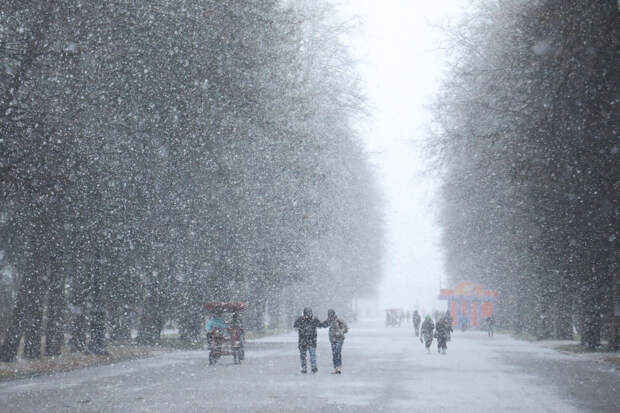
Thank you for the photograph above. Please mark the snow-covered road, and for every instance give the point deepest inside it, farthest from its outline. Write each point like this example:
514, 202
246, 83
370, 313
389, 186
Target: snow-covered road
385, 369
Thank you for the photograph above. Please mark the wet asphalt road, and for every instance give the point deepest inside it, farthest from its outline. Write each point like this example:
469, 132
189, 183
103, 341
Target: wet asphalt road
385, 370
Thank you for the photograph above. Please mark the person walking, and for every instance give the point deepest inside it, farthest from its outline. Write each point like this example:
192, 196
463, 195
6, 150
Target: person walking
491, 324
416, 322
426, 332
450, 322
337, 329
306, 326
442, 333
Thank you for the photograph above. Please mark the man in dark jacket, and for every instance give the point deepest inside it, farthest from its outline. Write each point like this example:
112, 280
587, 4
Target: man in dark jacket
337, 329
306, 326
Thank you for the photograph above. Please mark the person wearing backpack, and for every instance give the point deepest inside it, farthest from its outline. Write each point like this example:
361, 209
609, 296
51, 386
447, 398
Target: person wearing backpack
442, 333
337, 329
426, 332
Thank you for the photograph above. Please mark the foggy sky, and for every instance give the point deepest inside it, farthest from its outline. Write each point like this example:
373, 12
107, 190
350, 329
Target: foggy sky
398, 48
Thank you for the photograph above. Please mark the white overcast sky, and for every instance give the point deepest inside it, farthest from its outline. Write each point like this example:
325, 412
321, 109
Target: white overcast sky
400, 58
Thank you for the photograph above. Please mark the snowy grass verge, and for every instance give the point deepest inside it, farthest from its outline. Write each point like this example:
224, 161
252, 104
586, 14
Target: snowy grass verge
70, 361
601, 353
267, 332
579, 348
170, 341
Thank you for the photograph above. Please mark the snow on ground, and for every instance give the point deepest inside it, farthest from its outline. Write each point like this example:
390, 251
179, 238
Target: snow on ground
385, 369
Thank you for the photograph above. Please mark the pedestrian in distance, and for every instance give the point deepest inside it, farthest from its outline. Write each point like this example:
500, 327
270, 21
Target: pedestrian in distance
306, 326
442, 333
491, 325
416, 322
463, 322
450, 322
337, 329
426, 332
237, 336
408, 316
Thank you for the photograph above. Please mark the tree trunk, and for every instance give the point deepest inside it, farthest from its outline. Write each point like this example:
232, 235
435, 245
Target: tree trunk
190, 327
54, 330
119, 324
8, 351
151, 322
274, 312
32, 329
79, 326
256, 314
97, 316
97, 333
33, 316
79, 320
563, 325
591, 327
150, 326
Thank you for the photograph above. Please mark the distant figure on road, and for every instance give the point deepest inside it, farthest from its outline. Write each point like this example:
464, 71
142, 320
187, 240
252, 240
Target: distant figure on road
306, 326
450, 321
442, 333
426, 332
408, 316
463, 322
392, 318
491, 324
337, 329
416, 322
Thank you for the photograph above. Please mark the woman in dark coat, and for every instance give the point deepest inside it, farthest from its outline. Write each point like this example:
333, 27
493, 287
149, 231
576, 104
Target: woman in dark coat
426, 332
442, 333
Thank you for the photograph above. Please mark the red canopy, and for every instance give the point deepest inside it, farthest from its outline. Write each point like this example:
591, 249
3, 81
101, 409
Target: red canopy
229, 307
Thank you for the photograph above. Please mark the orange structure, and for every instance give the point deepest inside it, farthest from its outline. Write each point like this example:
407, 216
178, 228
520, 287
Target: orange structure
469, 302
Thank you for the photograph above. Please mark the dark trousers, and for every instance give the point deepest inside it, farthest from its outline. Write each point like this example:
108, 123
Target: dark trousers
441, 343
302, 356
337, 353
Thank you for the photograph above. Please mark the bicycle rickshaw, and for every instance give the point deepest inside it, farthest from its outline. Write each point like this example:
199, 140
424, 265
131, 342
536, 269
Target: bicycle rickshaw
226, 335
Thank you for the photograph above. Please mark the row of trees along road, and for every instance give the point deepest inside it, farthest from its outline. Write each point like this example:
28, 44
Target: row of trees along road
528, 141
156, 155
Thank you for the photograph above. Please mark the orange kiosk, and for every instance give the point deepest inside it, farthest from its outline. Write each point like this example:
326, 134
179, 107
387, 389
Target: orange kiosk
469, 302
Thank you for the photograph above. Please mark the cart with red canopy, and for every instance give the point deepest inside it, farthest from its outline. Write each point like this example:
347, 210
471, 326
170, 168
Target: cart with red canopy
225, 334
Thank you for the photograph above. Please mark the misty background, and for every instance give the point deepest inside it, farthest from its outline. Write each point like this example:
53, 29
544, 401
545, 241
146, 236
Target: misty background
156, 156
